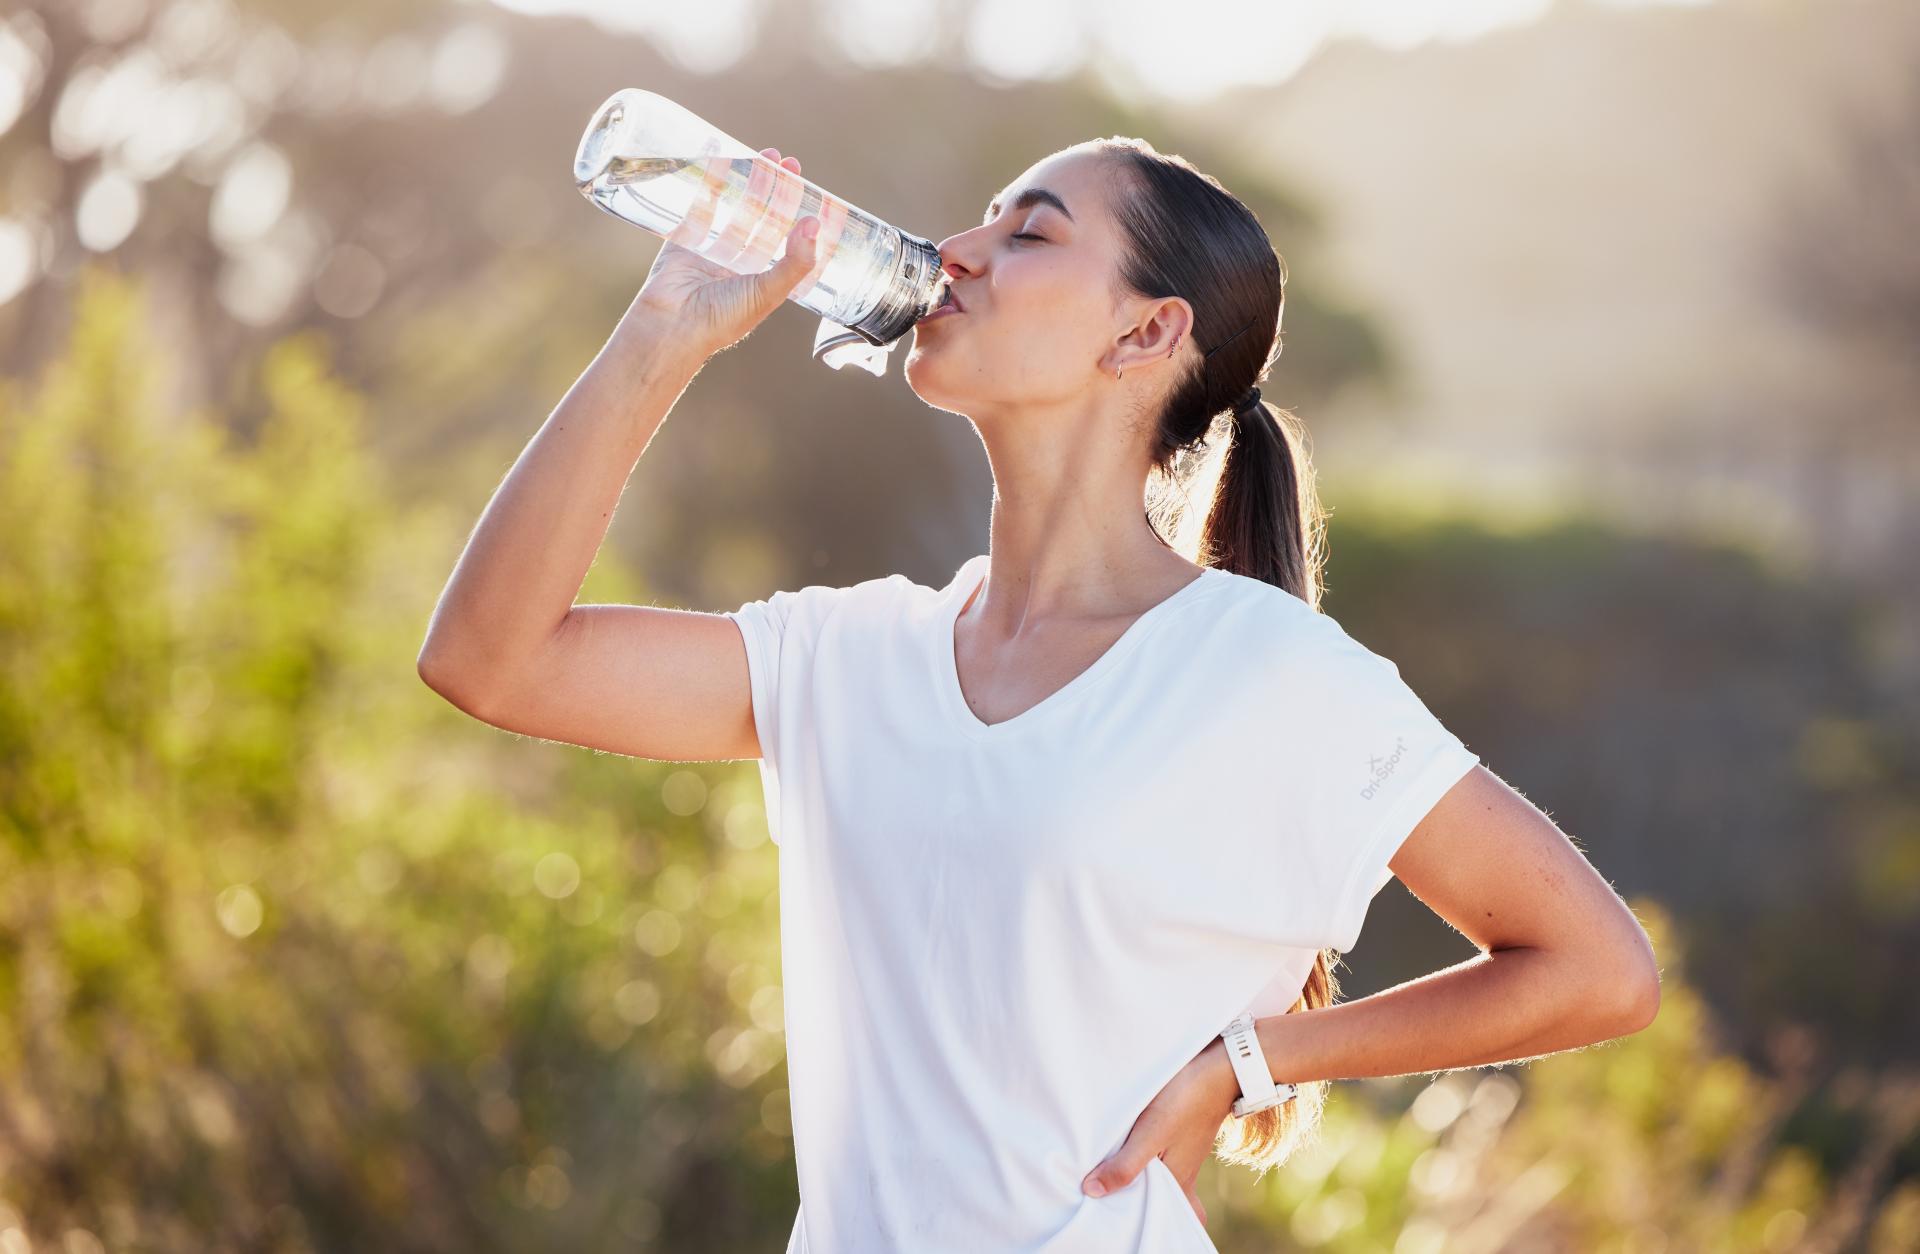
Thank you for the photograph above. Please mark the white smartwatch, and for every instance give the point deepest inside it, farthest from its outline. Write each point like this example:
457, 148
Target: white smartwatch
1257, 1089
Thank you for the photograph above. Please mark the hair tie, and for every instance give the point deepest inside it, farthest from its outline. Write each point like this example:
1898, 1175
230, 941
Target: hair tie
1248, 401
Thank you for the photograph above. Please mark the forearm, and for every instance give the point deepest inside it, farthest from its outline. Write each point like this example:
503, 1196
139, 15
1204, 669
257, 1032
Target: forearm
516, 580
1501, 1006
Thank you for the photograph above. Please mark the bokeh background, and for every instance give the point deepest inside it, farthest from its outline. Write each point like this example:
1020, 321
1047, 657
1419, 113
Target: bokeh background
1603, 318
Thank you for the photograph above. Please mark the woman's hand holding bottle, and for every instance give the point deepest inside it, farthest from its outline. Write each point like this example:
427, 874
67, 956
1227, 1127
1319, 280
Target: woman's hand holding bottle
702, 305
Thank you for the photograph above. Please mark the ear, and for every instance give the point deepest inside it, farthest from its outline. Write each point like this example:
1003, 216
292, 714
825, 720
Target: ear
1161, 328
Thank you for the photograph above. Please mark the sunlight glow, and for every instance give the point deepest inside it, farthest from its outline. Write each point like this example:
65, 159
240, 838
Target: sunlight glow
24, 49
107, 211
1052, 43
703, 38
1208, 45
19, 258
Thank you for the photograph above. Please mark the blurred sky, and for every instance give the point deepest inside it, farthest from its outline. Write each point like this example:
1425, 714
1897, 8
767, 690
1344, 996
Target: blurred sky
1570, 220
1187, 53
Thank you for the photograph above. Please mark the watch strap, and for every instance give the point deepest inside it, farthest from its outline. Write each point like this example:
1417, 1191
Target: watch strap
1257, 1089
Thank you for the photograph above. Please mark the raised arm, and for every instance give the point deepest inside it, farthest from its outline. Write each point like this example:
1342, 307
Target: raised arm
506, 643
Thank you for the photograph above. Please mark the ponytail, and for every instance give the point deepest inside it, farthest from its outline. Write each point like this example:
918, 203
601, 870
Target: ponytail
1185, 235
1266, 521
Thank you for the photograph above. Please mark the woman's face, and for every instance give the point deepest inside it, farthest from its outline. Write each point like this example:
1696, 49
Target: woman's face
1037, 284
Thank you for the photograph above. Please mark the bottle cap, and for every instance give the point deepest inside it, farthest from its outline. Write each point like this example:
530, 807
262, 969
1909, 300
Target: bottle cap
839, 346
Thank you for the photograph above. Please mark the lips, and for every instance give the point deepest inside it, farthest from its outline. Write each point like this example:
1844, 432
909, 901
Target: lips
949, 299
947, 307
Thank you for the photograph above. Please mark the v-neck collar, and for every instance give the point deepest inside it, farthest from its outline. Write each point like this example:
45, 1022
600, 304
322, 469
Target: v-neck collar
967, 581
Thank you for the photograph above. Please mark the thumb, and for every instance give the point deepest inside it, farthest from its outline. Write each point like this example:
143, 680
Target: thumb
772, 285
1119, 1169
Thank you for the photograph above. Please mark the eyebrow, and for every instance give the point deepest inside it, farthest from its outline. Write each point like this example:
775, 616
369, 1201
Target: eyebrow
1027, 200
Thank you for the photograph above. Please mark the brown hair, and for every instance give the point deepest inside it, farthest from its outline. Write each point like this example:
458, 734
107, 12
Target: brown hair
1185, 235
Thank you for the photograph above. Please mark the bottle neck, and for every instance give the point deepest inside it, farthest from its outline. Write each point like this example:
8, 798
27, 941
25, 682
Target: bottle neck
915, 286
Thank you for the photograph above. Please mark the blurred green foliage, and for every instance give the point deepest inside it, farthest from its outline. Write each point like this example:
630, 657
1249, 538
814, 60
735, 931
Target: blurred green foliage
294, 956
1659, 1141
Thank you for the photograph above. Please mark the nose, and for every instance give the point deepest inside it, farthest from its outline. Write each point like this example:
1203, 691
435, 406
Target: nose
953, 254
953, 266
950, 263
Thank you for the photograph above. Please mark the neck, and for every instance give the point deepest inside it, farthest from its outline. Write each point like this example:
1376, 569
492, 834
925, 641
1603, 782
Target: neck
1069, 534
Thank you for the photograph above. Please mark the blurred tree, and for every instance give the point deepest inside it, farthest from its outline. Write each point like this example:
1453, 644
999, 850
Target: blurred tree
1714, 726
1841, 261
288, 960
295, 957
1845, 260
146, 131
396, 176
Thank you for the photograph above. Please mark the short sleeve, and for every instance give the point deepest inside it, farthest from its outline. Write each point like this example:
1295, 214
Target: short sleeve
1373, 759
781, 632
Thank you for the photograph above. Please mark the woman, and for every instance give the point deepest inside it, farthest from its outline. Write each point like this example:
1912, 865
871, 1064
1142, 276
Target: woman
1044, 831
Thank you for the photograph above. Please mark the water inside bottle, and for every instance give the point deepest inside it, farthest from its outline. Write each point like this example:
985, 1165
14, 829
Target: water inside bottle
755, 203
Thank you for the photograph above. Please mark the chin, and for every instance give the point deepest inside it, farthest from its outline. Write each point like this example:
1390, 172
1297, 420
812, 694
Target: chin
919, 364
922, 374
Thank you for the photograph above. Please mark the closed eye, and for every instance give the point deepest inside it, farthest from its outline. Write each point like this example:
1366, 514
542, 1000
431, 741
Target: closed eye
1024, 235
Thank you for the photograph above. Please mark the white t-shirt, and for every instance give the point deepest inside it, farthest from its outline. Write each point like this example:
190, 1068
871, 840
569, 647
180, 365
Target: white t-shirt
1000, 941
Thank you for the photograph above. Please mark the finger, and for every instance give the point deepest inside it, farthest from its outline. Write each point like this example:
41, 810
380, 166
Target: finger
1119, 1169
709, 173
732, 248
1184, 1164
1188, 1178
774, 284
782, 215
833, 221
769, 216
691, 231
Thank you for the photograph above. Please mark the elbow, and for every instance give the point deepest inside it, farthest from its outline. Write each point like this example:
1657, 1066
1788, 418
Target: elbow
429, 668
435, 674
1633, 990
1641, 1004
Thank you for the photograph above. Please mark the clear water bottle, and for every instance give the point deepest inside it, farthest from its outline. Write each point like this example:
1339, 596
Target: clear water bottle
650, 162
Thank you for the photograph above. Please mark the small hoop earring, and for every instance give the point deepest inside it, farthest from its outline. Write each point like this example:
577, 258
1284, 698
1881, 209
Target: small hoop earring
1116, 372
